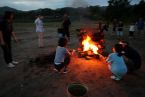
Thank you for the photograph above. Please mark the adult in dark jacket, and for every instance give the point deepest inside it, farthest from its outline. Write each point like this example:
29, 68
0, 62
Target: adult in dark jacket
6, 31
66, 25
132, 57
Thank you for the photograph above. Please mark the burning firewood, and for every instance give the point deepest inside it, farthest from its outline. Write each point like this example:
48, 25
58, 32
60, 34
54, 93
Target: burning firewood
91, 43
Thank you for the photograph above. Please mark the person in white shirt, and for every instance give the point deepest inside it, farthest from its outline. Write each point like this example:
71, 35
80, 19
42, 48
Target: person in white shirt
40, 30
131, 30
116, 63
62, 56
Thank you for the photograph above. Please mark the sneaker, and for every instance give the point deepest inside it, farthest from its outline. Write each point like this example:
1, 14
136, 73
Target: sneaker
11, 65
115, 78
56, 70
65, 71
112, 77
15, 62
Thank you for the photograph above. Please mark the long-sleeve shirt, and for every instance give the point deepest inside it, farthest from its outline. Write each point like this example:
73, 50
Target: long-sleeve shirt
117, 64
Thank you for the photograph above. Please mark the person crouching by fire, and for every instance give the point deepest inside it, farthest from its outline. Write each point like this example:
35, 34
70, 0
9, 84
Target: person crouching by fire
116, 63
131, 56
62, 56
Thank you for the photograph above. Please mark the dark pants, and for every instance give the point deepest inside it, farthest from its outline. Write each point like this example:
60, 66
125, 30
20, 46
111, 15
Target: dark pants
139, 30
63, 64
114, 29
131, 65
67, 33
131, 33
7, 52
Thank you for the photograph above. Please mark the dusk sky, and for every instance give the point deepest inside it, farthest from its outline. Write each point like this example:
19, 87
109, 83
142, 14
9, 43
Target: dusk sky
26, 5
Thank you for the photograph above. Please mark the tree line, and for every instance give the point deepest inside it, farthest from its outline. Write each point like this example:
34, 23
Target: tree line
119, 9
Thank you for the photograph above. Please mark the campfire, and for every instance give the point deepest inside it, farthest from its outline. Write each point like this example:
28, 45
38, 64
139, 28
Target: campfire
91, 43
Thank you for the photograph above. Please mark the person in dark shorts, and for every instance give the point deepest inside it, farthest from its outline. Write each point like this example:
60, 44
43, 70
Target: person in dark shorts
62, 56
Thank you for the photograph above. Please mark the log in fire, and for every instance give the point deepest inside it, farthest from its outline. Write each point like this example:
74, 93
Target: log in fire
91, 42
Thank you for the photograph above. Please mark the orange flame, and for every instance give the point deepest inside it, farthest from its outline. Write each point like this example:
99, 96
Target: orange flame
89, 45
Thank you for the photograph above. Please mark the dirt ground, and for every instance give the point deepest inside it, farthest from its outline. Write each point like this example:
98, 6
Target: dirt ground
33, 80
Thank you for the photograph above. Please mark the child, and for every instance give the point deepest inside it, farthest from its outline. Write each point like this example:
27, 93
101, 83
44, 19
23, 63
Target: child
116, 63
62, 56
115, 23
120, 29
131, 31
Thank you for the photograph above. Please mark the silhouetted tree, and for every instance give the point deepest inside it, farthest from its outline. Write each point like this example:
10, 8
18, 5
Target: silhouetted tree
118, 9
139, 10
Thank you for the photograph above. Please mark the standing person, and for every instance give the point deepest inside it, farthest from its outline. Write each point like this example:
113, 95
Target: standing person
132, 57
106, 27
131, 30
40, 30
100, 26
115, 23
116, 63
6, 31
120, 29
140, 25
62, 56
66, 25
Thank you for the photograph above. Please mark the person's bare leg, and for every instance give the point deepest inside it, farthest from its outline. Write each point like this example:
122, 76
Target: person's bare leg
40, 40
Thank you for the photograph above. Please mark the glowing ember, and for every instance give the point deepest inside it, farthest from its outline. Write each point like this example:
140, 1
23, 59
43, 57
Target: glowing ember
89, 45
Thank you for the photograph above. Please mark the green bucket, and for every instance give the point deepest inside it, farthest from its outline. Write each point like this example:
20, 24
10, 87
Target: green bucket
77, 89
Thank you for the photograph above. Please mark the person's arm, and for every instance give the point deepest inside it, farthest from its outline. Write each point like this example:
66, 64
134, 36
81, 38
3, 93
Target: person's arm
1, 38
68, 52
109, 59
14, 37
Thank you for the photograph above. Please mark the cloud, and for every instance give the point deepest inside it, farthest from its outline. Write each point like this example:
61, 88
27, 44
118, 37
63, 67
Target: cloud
33, 4
28, 3
40, 3
36, 4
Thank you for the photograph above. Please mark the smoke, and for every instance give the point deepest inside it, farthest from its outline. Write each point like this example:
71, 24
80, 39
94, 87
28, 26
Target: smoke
82, 9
